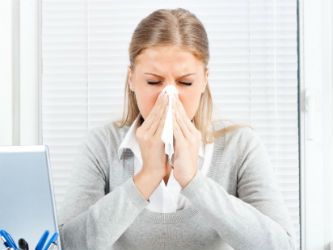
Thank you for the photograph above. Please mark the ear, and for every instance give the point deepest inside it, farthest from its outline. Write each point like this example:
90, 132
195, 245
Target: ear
129, 79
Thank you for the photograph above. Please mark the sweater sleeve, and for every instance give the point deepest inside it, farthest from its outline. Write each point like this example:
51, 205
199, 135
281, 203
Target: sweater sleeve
257, 218
91, 217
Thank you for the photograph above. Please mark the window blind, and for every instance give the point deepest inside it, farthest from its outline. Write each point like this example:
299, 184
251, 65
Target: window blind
253, 74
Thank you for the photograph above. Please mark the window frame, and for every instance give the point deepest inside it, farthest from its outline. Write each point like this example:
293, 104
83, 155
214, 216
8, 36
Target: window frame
316, 91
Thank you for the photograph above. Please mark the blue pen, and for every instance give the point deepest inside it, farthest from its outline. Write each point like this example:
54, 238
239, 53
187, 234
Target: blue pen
8, 240
42, 240
52, 240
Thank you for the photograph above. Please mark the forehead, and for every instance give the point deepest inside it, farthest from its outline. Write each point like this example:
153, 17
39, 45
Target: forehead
160, 59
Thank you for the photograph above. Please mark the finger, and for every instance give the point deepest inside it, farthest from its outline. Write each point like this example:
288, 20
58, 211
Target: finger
161, 117
182, 125
184, 122
161, 124
155, 113
180, 107
176, 130
184, 118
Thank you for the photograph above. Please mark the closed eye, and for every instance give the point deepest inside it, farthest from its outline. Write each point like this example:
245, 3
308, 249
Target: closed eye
186, 83
153, 82
181, 82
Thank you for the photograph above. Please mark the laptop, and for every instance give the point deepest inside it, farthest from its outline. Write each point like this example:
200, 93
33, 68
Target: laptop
27, 205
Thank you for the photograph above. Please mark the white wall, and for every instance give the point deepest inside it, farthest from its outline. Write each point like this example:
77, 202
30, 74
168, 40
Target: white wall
30, 72
6, 72
19, 72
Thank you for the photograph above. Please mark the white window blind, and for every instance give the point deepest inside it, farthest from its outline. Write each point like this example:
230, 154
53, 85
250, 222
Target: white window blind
253, 74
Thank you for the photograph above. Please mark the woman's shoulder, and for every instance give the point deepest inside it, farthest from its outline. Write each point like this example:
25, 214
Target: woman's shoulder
239, 140
108, 136
229, 127
234, 133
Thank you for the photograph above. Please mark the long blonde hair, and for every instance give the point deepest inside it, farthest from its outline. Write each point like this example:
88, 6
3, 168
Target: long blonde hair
167, 27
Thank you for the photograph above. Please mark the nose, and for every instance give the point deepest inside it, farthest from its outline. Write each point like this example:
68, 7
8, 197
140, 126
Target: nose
170, 89
170, 83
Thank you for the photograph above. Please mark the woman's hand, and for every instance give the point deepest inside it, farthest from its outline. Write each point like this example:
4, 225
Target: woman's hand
152, 148
187, 144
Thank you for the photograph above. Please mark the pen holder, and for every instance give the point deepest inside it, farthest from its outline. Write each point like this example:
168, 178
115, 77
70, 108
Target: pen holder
8, 242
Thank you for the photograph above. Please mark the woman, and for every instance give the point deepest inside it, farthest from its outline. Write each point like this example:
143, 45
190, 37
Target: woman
219, 192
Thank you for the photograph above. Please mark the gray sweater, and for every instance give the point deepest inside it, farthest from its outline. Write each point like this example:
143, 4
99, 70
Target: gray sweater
236, 206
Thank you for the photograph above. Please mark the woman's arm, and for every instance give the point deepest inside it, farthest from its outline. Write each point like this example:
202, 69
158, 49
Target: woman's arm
257, 218
90, 218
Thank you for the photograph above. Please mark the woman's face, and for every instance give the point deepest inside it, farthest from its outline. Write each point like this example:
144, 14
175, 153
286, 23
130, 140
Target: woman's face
157, 67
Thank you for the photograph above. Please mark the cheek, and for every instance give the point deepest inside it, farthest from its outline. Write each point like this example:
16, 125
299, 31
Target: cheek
190, 102
146, 102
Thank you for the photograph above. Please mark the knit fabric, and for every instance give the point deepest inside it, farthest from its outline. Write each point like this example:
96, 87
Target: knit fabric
237, 205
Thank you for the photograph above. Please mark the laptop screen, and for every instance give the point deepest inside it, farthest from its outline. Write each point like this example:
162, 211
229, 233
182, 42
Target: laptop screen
26, 197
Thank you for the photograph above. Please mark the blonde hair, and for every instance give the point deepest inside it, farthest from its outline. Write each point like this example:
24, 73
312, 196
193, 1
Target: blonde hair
168, 27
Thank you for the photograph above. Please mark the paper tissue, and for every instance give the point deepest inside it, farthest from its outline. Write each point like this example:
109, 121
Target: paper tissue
167, 133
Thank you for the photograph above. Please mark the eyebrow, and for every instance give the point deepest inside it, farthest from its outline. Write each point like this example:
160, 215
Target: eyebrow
147, 73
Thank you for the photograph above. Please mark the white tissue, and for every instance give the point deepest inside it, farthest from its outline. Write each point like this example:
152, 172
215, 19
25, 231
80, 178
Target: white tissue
167, 133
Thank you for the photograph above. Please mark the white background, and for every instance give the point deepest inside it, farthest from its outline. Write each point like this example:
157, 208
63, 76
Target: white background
316, 79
